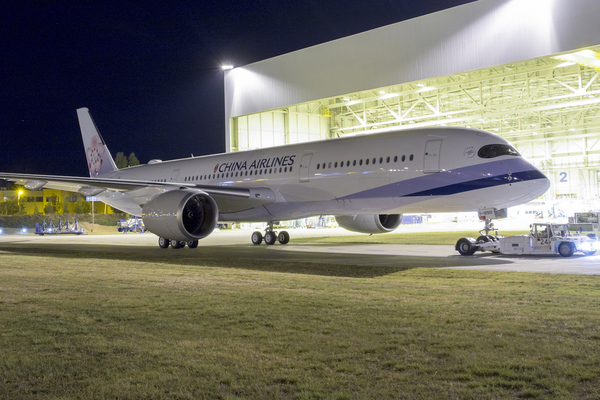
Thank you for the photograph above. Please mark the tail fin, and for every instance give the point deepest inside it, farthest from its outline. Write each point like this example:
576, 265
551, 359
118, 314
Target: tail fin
98, 157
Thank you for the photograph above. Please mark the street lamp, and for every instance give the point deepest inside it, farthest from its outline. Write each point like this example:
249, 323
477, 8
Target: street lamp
19, 197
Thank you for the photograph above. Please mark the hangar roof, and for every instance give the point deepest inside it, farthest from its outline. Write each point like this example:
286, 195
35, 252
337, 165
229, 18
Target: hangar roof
473, 36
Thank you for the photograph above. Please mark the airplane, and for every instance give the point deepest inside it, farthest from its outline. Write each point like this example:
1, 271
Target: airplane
366, 181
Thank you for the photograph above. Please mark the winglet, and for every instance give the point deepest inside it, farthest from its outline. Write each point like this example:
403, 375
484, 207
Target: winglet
98, 157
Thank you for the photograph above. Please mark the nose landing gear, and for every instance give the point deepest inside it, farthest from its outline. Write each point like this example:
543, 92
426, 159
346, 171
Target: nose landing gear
270, 237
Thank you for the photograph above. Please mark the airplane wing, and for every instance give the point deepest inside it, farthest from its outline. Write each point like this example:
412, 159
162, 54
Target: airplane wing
136, 193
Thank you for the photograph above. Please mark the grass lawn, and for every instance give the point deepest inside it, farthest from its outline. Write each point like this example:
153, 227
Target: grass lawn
441, 238
84, 327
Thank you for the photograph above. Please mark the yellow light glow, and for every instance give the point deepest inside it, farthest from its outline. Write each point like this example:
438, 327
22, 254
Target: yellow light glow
426, 89
587, 58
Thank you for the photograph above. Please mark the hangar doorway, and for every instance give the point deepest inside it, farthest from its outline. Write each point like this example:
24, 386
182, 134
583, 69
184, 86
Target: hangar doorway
548, 107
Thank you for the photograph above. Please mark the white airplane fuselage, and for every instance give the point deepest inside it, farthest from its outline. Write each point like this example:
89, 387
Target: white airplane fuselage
412, 171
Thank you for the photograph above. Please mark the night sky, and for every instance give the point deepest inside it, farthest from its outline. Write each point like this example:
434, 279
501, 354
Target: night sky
148, 71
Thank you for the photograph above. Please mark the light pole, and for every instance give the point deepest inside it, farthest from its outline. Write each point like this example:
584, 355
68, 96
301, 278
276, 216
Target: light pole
19, 193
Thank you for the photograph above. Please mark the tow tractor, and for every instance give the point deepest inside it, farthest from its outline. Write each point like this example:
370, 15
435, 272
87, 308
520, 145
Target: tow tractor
544, 238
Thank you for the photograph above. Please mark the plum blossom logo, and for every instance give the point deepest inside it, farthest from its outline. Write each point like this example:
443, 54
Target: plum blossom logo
94, 155
216, 168
469, 152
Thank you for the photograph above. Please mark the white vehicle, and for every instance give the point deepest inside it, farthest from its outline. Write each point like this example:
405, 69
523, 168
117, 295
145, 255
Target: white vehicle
542, 239
134, 224
366, 181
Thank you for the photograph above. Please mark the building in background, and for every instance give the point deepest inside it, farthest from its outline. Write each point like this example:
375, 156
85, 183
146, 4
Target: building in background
50, 201
528, 70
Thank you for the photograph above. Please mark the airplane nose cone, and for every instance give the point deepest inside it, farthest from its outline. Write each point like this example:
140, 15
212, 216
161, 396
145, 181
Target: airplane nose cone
539, 186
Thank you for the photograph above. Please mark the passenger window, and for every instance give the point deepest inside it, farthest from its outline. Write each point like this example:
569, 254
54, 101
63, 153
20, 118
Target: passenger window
354, 163
335, 165
403, 158
367, 161
411, 157
395, 158
360, 163
387, 160
380, 160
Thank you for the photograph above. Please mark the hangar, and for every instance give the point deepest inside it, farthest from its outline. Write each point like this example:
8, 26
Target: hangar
528, 70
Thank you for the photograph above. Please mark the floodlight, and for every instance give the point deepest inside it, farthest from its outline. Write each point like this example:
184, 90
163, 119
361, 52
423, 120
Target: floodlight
226, 67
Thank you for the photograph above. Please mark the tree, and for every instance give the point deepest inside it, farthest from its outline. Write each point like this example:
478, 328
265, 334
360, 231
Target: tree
66, 206
10, 207
133, 160
49, 208
56, 205
82, 206
121, 161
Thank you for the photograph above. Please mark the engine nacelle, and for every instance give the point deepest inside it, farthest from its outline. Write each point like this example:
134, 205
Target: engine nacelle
181, 215
373, 223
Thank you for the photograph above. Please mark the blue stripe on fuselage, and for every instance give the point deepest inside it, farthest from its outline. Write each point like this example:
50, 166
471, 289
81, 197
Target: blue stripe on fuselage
480, 184
458, 180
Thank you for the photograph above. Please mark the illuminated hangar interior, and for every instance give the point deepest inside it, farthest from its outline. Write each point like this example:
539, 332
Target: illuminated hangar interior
528, 70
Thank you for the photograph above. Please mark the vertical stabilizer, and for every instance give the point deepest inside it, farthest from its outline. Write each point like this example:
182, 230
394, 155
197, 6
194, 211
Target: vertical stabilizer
98, 157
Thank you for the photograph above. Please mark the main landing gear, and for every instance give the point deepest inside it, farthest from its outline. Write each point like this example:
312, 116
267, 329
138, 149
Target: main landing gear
270, 236
176, 244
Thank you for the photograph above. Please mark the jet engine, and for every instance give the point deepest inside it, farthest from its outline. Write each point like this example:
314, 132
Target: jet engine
373, 223
181, 215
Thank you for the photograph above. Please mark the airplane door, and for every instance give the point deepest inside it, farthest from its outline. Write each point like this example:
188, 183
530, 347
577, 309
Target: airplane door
305, 168
431, 163
174, 176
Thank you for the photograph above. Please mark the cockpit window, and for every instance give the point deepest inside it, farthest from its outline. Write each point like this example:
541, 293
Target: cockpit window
497, 150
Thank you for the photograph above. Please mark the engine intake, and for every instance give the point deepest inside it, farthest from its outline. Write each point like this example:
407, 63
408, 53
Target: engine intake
181, 215
373, 223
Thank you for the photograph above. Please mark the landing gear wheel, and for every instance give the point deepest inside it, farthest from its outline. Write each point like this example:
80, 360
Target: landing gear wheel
465, 247
177, 244
163, 243
565, 249
283, 237
192, 244
257, 238
270, 238
483, 239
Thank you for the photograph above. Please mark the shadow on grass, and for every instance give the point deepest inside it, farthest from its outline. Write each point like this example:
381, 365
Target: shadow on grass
251, 257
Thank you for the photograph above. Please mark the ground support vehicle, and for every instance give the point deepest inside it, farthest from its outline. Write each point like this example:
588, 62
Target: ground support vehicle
134, 224
585, 222
542, 239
